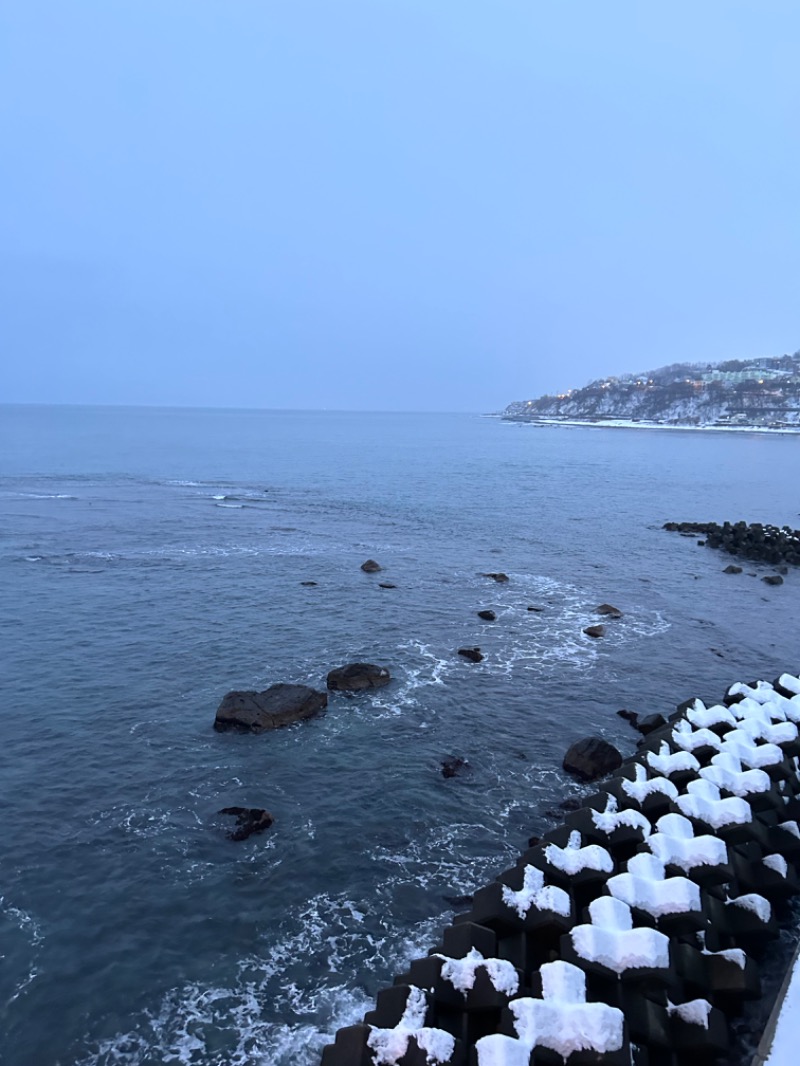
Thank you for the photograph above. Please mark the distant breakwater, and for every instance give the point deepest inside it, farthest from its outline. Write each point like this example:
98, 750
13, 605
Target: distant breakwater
633, 932
761, 543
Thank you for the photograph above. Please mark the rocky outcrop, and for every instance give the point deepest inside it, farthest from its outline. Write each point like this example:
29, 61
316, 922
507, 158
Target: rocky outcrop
371, 567
279, 705
356, 677
592, 757
595, 631
249, 820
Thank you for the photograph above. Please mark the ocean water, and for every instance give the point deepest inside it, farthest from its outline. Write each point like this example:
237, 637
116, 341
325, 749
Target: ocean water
152, 559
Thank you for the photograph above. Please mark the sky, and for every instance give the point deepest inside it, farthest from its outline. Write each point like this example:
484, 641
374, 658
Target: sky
439, 205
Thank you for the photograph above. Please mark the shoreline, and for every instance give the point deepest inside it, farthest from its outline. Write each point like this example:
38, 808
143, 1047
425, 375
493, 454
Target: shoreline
625, 423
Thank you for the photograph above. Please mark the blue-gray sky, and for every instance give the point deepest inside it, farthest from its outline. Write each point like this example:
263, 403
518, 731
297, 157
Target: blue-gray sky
391, 204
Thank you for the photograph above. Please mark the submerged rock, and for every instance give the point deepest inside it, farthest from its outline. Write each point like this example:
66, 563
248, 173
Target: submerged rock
475, 655
371, 567
386, 585
537, 609
629, 716
608, 610
487, 616
453, 765
308, 583
732, 569
595, 631
279, 705
496, 576
592, 757
249, 820
356, 677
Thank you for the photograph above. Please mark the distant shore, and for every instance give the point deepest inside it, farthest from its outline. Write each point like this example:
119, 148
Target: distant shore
625, 423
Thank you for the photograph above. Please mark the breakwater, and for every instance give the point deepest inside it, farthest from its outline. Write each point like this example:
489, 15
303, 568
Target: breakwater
631, 933
759, 542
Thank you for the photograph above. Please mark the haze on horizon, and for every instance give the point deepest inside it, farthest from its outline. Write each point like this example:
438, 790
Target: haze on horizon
390, 204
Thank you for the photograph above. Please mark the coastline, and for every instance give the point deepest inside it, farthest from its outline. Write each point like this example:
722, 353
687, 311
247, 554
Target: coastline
624, 423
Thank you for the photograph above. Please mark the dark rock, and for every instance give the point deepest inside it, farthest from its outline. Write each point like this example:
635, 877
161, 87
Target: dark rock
772, 579
475, 655
783, 570
650, 722
371, 567
732, 569
249, 820
592, 757
496, 577
355, 677
386, 585
701, 543
608, 610
629, 716
537, 609
453, 765
533, 841
595, 631
570, 804
717, 652
279, 705
458, 901
309, 583
487, 616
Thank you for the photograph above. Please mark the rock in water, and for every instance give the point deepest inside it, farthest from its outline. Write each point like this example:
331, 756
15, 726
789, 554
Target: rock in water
249, 820
595, 631
732, 569
650, 722
475, 655
608, 610
358, 676
452, 765
773, 579
496, 576
487, 616
386, 585
371, 567
592, 757
279, 705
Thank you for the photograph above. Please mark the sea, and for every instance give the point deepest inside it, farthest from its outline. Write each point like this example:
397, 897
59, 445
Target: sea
153, 559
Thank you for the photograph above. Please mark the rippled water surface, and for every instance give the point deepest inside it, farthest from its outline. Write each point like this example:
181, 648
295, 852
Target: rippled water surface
150, 560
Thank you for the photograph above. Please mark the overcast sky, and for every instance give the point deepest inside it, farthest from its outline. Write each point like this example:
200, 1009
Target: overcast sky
391, 204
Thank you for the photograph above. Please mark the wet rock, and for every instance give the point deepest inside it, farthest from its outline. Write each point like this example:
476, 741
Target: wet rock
386, 585
595, 631
453, 765
650, 722
355, 677
533, 841
537, 609
608, 610
592, 757
772, 579
308, 583
279, 705
487, 616
475, 655
249, 820
571, 804
629, 716
732, 569
496, 576
371, 567
458, 901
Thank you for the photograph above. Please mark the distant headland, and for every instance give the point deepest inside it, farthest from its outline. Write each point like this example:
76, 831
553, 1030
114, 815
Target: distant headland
760, 394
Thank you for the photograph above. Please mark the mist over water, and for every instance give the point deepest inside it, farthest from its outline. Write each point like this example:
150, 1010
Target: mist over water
152, 559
